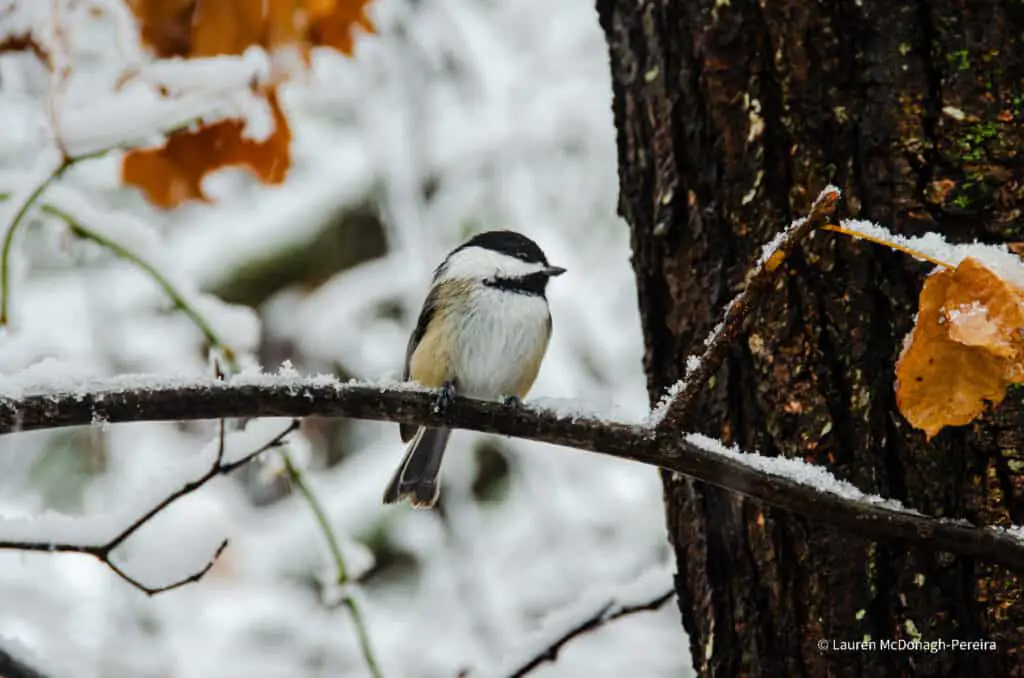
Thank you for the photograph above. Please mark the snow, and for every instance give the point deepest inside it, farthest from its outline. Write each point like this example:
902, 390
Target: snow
502, 110
658, 412
996, 258
773, 245
797, 470
608, 602
1015, 531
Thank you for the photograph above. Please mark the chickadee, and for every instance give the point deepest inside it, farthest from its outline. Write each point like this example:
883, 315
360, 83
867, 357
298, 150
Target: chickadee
482, 333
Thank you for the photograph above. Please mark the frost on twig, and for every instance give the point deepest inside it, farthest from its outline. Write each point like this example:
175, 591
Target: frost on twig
67, 536
672, 412
153, 398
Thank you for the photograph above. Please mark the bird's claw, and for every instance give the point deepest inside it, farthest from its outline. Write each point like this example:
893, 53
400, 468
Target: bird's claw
511, 401
445, 398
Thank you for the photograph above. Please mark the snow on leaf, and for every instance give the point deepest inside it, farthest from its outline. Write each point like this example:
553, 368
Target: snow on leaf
174, 173
965, 349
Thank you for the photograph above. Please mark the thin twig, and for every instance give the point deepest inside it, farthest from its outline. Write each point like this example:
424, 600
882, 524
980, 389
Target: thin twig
179, 300
103, 552
608, 612
206, 398
59, 69
759, 284
341, 579
19, 216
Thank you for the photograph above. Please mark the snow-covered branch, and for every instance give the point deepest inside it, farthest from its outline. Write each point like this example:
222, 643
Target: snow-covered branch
675, 408
785, 483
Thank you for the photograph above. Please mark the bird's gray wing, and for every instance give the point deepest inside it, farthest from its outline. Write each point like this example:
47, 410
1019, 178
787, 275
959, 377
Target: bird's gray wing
426, 315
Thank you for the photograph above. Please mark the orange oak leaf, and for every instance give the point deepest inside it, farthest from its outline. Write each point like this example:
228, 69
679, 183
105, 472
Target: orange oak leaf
196, 28
205, 28
966, 347
331, 23
174, 173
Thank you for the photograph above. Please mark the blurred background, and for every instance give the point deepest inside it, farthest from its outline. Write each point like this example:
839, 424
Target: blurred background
457, 116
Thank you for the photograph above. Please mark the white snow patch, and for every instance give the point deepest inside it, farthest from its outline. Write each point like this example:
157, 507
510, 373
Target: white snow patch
996, 258
603, 599
796, 470
658, 412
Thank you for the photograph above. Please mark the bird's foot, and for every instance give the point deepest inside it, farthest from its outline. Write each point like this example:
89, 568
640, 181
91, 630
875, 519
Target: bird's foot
445, 398
511, 401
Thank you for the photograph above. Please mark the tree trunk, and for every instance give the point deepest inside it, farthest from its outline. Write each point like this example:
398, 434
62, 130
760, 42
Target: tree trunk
731, 117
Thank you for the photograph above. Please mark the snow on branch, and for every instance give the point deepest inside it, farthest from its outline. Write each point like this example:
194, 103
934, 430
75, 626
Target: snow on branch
674, 409
785, 483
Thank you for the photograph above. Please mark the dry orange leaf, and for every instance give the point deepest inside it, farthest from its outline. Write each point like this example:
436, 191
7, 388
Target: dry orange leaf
209, 27
174, 173
965, 349
165, 25
201, 28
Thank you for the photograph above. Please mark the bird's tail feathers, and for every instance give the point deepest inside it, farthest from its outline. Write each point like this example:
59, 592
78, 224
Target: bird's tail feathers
416, 477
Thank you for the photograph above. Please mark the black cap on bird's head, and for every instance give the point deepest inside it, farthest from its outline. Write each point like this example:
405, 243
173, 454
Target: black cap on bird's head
500, 256
508, 242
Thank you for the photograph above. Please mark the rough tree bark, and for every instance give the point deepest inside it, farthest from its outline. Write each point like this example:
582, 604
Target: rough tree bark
731, 116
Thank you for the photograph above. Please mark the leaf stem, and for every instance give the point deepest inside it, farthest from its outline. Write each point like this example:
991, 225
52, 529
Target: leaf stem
887, 243
19, 217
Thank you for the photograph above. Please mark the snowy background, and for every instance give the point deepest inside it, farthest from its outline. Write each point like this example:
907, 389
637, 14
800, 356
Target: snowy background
459, 115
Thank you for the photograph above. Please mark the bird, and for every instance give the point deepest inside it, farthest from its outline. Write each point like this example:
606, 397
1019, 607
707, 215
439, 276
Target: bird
482, 333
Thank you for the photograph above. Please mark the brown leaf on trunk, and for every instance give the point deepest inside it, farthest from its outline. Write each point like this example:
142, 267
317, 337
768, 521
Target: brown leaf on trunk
174, 173
965, 349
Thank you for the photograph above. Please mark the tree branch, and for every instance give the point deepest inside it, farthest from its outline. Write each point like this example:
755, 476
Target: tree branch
608, 612
12, 667
103, 552
157, 399
760, 281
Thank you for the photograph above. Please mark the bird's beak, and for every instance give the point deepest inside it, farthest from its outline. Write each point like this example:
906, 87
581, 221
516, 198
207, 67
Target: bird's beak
552, 271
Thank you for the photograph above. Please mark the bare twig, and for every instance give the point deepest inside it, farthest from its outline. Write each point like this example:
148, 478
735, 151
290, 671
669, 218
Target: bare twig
208, 398
342, 579
608, 612
103, 552
759, 283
